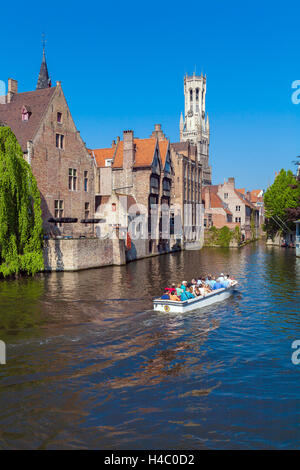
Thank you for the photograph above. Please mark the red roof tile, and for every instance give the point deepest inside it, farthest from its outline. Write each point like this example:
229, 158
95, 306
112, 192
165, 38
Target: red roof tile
144, 153
163, 147
102, 154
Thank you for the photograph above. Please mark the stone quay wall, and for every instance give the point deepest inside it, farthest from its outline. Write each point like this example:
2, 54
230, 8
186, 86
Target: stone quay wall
76, 254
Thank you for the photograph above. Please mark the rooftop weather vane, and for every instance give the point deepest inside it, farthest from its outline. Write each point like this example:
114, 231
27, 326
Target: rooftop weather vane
43, 40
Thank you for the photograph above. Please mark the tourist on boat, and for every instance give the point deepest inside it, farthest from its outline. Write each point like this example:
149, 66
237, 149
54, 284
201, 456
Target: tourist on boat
183, 285
171, 289
189, 293
183, 295
179, 291
174, 296
165, 297
217, 285
221, 278
211, 282
197, 292
186, 294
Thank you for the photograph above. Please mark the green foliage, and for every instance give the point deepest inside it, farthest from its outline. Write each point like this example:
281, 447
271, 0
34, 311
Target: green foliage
278, 198
20, 211
237, 235
221, 236
225, 236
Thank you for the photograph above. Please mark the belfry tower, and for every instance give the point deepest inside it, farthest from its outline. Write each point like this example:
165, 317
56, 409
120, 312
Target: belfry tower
194, 128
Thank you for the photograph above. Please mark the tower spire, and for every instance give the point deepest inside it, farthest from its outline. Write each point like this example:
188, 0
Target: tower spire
43, 80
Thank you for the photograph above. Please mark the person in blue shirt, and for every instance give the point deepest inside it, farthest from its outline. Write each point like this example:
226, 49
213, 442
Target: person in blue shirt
189, 293
165, 297
217, 285
211, 282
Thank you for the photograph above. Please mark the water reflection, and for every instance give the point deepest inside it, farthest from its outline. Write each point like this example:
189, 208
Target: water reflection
91, 365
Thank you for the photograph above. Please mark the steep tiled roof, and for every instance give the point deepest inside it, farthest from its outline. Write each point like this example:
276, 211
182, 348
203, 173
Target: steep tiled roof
215, 200
242, 191
244, 200
213, 188
11, 113
102, 154
163, 147
144, 153
256, 195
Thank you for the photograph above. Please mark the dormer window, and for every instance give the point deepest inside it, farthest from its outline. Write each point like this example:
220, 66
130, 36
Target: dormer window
26, 113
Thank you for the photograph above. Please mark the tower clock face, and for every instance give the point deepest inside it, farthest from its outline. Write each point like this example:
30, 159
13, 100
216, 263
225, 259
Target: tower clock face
190, 113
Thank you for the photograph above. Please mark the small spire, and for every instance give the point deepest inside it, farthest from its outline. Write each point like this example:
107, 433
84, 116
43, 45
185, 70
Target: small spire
181, 121
43, 80
207, 122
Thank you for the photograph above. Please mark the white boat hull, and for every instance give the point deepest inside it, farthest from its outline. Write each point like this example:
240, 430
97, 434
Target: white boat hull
170, 306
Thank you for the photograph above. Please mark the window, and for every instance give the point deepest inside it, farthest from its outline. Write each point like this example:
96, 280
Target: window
72, 179
108, 161
191, 95
166, 185
238, 208
238, 220
60, 141
167, 166
86, 210
85, 181
58, 210
59, 118
154, 182
225, 195
25, 113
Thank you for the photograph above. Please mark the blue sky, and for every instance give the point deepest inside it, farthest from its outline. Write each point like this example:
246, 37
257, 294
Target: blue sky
122, 64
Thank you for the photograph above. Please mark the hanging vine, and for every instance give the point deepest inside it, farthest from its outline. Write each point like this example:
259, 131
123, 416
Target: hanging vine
21, 233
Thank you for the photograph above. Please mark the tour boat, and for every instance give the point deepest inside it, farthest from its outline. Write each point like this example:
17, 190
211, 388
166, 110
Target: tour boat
164, 305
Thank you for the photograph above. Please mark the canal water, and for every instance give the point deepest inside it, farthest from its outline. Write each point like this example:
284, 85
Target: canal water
90, 365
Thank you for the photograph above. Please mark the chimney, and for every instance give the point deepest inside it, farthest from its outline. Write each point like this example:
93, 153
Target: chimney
128, 151
231, 181
113, 143
207, 198
12, 89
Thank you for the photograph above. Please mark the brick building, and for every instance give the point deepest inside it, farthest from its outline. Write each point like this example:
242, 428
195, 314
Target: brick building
141, 169
217, 213
187, 192
51, 144
226, 199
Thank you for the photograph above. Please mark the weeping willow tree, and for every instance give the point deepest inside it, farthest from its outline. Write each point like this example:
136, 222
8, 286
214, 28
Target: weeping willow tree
21, 235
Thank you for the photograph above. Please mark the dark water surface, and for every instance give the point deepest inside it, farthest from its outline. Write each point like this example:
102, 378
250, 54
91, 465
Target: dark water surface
90, 365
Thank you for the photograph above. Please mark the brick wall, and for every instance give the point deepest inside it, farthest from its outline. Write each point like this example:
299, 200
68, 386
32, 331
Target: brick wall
51, 165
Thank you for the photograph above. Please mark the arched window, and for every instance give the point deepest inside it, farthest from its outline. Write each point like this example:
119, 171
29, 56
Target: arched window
197, 94
191, 95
